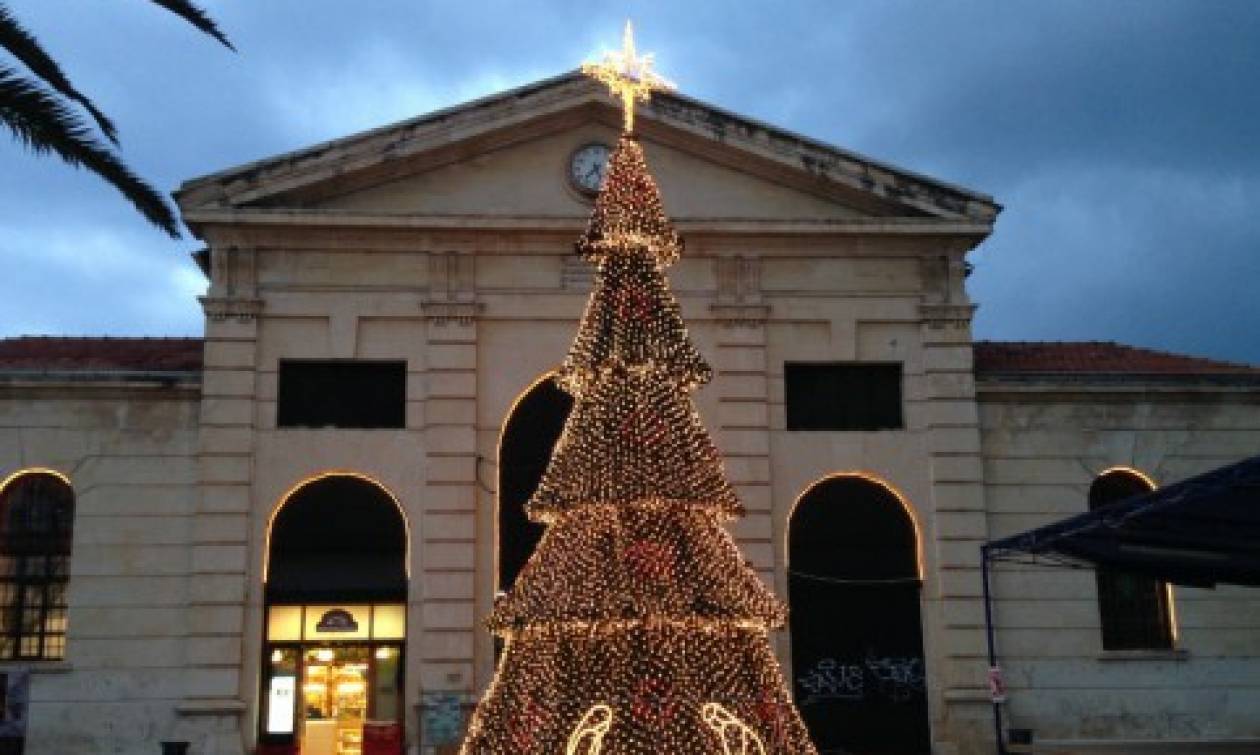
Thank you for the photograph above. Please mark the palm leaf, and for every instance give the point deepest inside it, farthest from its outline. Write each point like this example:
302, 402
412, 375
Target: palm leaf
45, 124
197, 17
22, 45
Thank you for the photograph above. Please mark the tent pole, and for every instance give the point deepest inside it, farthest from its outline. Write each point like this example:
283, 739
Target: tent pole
989, 637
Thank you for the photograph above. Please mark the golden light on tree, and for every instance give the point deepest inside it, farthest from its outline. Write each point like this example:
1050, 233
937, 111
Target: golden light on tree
636, 628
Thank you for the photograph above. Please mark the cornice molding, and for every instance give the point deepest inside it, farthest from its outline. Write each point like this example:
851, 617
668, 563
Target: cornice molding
451, 312
741, 315
220, 309
575, 224
944, 315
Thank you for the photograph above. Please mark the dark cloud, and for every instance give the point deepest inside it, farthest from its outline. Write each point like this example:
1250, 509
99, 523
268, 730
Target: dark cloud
1120, 136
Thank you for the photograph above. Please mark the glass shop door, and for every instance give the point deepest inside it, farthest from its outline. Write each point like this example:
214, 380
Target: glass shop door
342, 699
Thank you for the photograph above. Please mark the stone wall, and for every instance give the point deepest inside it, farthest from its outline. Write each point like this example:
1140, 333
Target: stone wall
1044, 444
128, 449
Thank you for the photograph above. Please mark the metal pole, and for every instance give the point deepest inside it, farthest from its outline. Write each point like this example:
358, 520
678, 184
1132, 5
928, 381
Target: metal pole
989, 637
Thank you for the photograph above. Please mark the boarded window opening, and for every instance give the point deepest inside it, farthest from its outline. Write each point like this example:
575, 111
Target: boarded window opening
343, 394
839, 396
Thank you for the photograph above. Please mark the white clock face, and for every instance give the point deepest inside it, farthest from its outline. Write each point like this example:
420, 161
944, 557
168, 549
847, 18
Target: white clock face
587, 166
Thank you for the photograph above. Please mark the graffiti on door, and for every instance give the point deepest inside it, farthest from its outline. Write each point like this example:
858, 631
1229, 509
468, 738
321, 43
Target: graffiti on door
899, 679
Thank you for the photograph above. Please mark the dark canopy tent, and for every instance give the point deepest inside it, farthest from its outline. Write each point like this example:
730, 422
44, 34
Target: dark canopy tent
1200, 532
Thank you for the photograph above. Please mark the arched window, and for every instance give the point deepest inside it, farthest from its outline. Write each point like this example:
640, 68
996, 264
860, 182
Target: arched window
36, 522
1135, 611
529, 433
337, 537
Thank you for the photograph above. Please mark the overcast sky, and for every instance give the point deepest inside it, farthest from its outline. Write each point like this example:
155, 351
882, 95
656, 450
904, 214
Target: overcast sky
1122, 136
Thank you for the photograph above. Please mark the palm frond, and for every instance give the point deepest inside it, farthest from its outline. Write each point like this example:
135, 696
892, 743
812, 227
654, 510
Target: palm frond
45, 124
21, 44
197, 17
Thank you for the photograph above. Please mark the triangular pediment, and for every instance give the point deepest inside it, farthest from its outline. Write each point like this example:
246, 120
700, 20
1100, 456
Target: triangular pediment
507, 155
530, 179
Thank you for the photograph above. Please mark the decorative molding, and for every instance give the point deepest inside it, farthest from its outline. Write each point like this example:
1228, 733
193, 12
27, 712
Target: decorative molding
451, 312
741, 315
940, 316
221, 308
36, 667
1164, 654
211, 706
738, 279
966, 695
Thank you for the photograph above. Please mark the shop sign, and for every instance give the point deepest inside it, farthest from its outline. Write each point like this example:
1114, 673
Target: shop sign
337, 620
280, 705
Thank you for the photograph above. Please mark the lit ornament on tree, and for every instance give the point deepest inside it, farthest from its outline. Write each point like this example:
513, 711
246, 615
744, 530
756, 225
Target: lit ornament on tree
636, 628
588, 735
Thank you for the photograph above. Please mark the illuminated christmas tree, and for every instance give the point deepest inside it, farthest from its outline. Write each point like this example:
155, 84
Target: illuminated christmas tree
636, 628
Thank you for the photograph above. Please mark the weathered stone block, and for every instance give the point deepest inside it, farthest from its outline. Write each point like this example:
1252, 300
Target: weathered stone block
452, 384
449, 615
446, 646
220, 469
441, 411
447, 556
460, 468
446, 526
214, 651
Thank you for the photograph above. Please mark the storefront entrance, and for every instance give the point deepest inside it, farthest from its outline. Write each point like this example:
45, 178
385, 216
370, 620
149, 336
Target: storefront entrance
334, 679
336, 622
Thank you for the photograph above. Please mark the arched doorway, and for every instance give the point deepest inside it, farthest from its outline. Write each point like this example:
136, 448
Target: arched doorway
529, 433
336, 591
857, 640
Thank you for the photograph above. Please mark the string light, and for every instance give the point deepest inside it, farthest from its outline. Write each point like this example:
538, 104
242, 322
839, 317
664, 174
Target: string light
636, 616
629, 218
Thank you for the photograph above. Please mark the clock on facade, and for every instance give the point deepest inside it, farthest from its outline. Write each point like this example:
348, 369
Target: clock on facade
586, 167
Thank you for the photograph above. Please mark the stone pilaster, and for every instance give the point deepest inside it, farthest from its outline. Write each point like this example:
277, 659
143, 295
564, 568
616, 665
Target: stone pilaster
952, 594
213, 706
449, 642
742, 385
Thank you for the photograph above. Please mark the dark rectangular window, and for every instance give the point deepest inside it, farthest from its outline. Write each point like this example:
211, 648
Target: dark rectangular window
347, 394
1134, 612
842, 396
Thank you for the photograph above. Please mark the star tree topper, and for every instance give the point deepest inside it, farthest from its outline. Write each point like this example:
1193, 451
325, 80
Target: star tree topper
628, 76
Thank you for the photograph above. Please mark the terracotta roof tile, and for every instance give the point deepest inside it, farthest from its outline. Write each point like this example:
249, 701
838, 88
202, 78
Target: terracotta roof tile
1094, 357
130, 354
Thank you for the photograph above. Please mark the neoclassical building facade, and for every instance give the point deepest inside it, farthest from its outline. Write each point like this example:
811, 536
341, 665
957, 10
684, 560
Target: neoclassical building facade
283, 536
